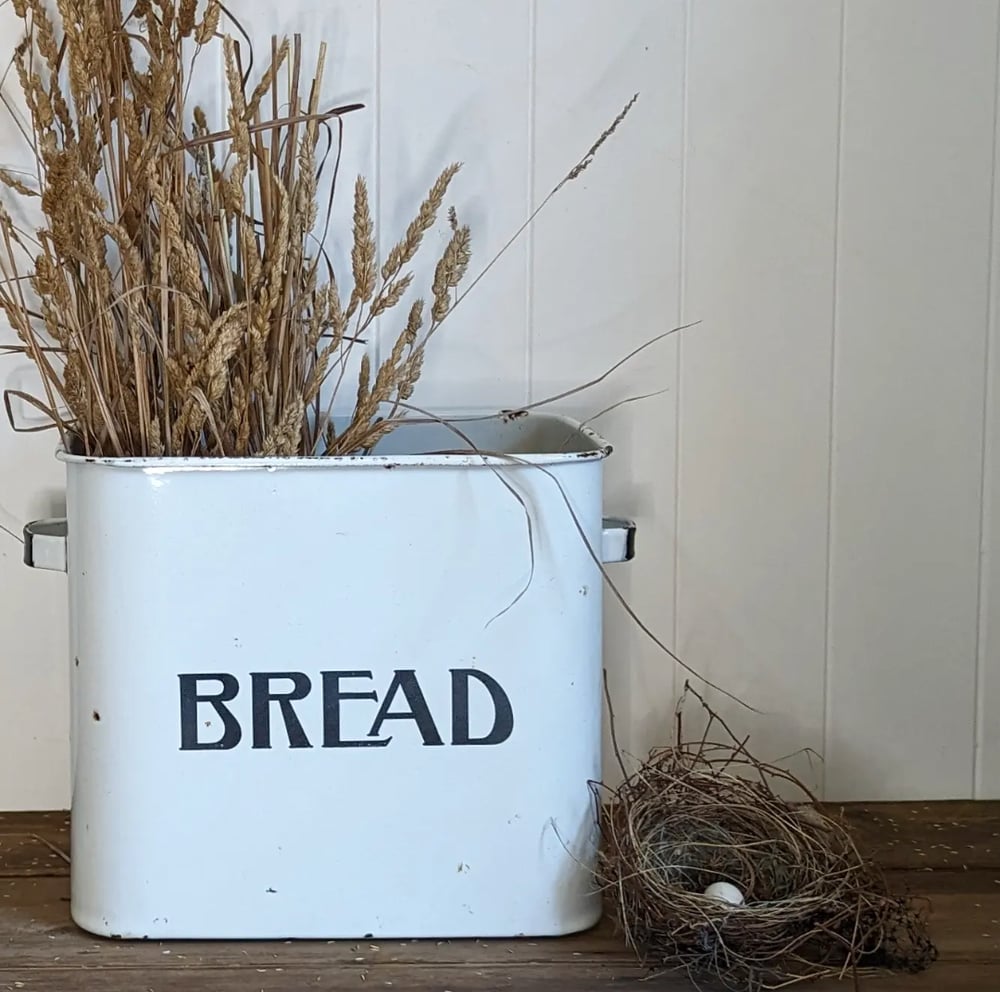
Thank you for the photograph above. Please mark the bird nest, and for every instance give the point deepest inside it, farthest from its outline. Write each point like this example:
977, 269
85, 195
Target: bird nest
700, 813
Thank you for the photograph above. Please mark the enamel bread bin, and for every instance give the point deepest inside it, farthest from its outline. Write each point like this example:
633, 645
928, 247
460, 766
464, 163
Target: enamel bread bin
338, 697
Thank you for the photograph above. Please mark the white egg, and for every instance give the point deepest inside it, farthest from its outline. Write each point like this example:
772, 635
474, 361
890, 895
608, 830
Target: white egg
725, 892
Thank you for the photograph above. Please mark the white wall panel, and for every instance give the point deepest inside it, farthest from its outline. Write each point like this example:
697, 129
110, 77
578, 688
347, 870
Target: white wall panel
912, 289
814, 182
454, 86
605, 280
763, 95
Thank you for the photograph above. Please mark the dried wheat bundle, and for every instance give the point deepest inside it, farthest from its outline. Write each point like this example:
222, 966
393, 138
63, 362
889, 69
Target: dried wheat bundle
178, 300
699, 813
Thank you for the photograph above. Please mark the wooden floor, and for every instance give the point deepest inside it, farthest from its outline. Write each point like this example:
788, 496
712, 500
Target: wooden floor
947, 851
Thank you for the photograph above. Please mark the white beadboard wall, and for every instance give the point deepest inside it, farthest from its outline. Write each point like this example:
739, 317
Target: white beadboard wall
816, 478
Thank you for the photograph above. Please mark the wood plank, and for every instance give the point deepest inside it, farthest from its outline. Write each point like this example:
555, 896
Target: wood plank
958, 975
917, 820
29, 854
763, 87
950, 835
954, 977
414, 978
927, 835
45, 950
34, 917
897, 835
473, 108
50, 823
908, 411
964, 930
964, 924
606, 258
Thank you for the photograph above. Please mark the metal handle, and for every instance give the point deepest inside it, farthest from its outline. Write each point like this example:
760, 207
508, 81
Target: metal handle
618, 543
45, 544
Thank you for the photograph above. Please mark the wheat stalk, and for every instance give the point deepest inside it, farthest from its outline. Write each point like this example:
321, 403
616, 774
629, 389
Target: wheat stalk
177, 300
174, 299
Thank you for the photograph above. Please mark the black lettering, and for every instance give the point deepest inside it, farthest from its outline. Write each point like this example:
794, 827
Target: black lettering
262, 697
419, 712
503, 719
190, 698
332, 695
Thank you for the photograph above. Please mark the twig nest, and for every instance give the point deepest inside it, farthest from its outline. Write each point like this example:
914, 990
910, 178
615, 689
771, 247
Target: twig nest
699, 817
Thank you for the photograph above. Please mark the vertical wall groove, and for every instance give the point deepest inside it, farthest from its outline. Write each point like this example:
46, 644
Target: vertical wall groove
529, 296
682, 316
832, 466
375, 348
985, 521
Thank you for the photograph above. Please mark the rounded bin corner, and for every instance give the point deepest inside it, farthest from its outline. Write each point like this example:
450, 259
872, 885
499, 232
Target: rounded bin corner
94, 923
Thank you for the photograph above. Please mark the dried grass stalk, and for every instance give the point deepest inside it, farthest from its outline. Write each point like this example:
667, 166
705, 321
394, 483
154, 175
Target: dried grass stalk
701, 812
177, 299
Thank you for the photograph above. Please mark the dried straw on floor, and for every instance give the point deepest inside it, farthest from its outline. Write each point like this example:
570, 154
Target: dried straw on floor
702, 812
